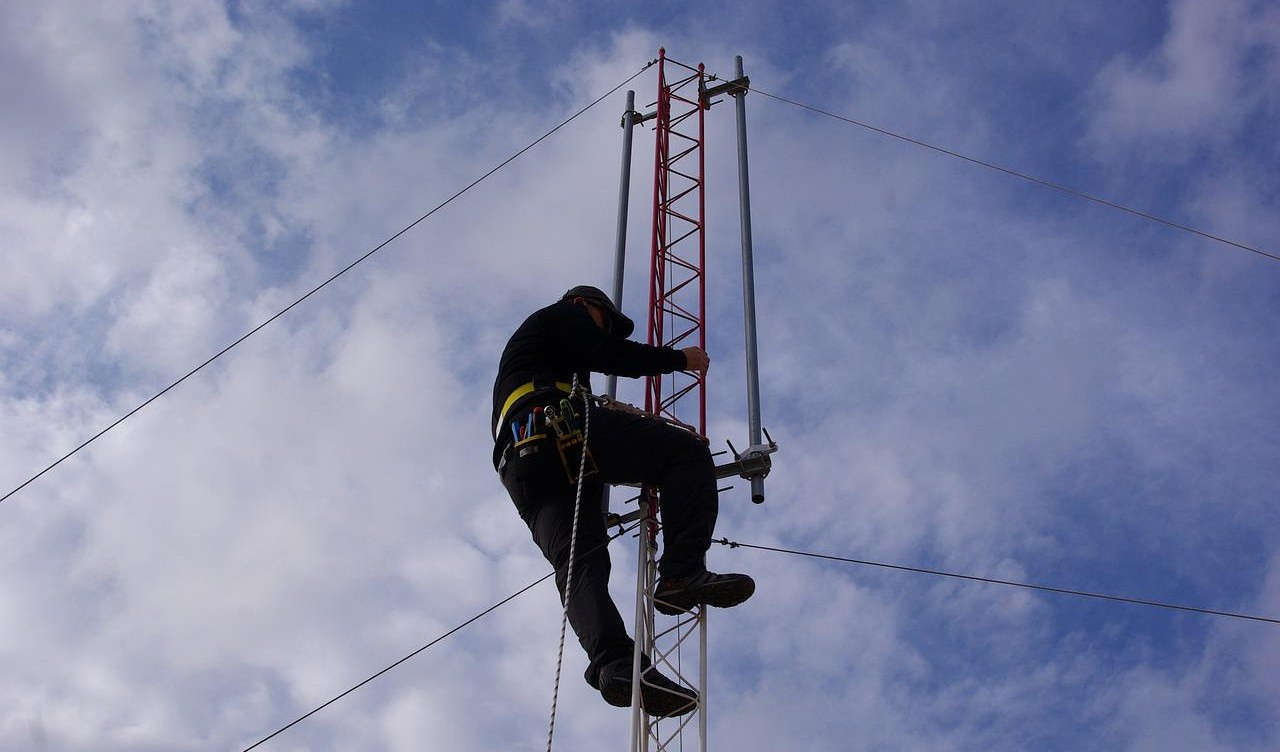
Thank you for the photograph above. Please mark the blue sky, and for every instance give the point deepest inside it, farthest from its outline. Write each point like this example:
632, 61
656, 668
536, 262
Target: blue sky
966, 372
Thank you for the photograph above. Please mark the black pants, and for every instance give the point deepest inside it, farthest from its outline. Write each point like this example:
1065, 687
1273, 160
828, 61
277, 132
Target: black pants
627, 449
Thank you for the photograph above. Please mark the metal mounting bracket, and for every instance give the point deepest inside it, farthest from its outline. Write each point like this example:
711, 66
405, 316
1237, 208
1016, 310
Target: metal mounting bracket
751, 463
733, 88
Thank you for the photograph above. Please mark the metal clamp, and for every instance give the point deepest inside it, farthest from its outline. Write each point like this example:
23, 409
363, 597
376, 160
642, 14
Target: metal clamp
751, 464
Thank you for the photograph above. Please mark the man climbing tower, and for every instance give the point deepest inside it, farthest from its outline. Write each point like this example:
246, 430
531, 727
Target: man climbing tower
584, 332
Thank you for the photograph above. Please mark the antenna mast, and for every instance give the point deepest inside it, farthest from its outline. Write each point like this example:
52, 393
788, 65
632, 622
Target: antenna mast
677, 318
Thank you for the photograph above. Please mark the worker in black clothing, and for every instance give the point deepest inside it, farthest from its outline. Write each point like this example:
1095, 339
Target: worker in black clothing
584, 332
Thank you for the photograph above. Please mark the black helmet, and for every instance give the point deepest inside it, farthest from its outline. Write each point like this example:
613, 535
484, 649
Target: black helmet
622, 326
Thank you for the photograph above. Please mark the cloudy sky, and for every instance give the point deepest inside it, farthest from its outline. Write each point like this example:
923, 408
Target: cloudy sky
965, 371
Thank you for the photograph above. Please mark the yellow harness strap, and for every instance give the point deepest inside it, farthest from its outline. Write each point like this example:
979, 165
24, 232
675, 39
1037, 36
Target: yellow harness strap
522, 391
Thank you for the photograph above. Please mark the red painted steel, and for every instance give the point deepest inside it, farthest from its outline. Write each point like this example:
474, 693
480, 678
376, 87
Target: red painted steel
677, 299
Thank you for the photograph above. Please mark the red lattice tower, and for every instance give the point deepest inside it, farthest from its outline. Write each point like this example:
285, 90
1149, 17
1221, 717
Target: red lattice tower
677, 300
677, 318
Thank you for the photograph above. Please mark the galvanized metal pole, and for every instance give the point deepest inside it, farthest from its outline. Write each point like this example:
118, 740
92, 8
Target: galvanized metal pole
620, 241
624, 199
748, 281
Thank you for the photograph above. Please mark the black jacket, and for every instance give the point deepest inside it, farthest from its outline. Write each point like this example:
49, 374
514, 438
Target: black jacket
562, 339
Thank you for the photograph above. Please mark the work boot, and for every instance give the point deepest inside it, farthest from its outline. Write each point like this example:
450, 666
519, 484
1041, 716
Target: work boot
675, 596
659, 696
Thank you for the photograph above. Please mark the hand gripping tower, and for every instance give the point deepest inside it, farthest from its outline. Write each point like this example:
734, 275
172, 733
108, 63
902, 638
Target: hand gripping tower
677, 318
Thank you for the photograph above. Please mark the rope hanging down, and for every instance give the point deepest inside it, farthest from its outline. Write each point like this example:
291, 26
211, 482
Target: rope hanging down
325, 283
585, 396
992, 581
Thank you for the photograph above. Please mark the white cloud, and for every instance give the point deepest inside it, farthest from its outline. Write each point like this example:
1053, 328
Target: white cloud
1197, 87
531, 14
958, 378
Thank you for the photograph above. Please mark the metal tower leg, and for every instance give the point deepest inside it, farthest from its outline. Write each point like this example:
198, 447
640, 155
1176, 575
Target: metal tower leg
645, 573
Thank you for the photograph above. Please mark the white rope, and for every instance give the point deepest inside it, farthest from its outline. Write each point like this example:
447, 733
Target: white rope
573, 548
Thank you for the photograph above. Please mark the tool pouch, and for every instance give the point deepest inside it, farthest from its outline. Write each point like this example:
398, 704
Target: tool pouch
570, 448
530, 457
564, 422
531, 460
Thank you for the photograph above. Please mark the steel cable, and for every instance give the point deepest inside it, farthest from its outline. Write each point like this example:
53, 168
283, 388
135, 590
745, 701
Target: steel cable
621, 532
325, 283
993, 581
1011, 172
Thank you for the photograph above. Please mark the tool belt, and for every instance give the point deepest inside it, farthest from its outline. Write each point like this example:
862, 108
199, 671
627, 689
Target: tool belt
522, 392
557, 425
